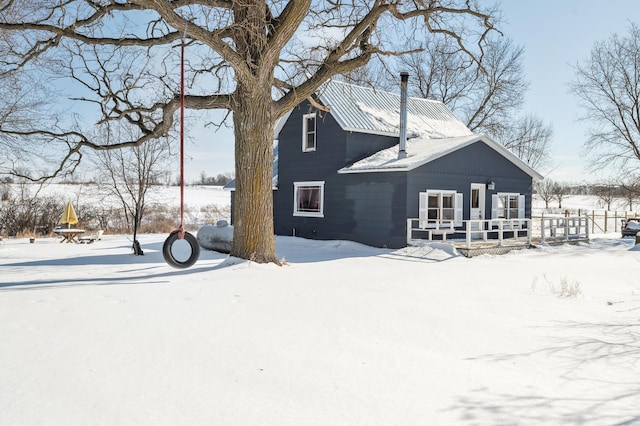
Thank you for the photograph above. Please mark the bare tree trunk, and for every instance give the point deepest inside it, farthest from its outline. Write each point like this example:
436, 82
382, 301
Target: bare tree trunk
253, 235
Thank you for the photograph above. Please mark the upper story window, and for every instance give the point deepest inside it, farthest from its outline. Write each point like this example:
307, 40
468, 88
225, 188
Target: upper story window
309, 132
308, 199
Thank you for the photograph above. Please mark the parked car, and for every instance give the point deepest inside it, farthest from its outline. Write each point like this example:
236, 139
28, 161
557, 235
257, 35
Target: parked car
630, 227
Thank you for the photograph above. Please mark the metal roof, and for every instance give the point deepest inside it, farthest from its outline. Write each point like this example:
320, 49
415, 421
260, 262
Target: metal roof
436, 131
367, 110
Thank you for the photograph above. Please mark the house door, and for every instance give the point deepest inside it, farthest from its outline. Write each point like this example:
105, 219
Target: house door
476, 210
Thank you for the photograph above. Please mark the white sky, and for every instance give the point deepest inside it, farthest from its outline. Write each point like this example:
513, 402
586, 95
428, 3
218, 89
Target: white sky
555, 35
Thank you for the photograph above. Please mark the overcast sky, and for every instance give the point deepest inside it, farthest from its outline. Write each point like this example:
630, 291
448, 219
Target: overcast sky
555, 34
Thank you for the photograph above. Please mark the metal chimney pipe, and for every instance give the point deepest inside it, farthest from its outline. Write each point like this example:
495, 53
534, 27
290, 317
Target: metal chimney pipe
402, 149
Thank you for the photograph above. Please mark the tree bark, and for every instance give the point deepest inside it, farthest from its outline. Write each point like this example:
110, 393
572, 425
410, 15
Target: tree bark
253, 234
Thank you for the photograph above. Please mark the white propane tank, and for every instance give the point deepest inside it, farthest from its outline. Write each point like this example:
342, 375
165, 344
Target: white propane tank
216, 237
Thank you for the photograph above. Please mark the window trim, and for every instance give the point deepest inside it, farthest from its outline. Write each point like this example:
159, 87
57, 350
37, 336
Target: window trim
296, 187
520, 207
306, 132
423, 209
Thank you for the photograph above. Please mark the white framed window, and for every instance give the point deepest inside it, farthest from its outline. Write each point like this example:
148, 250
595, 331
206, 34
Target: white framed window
507, 206
440, 208
308, 199
309, 132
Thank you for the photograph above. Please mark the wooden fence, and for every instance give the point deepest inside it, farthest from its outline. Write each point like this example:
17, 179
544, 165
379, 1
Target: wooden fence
600, 221
564, 229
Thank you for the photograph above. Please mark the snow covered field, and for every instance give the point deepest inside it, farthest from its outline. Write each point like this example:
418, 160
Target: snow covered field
344, 335
195, 197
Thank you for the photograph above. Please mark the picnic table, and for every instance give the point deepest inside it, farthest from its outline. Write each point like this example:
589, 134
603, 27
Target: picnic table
69, 235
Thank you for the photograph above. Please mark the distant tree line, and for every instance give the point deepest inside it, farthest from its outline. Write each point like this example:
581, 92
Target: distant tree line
220, 180
608, 192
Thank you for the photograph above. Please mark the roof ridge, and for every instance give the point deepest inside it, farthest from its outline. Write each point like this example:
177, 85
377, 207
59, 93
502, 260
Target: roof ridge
373, 89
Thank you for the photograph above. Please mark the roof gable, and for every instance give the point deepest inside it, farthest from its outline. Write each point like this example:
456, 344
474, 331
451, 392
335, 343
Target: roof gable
421, 151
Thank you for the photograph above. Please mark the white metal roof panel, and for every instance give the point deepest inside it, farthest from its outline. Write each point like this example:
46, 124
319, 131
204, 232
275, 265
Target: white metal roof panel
364, 109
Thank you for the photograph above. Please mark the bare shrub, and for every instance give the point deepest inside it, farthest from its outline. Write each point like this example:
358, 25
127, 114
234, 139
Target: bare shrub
26, 213
567, 288
212, 213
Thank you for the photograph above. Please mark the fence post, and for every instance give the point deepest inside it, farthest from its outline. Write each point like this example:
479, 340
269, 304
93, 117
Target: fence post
593, 221
468, 233
586, 226
408, 232
615, 221
542, 231
606, 220
566, 229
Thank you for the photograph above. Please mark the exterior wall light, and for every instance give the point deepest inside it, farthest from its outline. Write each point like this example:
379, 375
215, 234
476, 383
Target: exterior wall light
491, 185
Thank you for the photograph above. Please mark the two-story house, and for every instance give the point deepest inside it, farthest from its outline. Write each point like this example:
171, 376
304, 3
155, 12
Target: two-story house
359, 168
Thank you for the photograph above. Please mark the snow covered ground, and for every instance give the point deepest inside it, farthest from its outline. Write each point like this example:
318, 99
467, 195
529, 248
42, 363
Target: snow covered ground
344, 335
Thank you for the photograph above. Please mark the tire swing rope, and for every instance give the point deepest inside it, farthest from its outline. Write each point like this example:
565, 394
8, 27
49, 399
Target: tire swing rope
180, 233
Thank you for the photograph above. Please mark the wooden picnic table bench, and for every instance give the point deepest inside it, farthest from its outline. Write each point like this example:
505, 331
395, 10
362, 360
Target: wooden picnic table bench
69, 235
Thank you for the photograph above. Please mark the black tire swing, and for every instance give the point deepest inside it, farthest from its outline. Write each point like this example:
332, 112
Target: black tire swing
175, 252
174, 249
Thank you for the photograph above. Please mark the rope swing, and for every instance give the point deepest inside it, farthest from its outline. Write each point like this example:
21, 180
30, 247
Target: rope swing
174, 251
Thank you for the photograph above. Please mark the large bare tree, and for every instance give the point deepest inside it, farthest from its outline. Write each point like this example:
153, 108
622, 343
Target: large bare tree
607, 83
528, 137
487, 95
256, 59
483, 95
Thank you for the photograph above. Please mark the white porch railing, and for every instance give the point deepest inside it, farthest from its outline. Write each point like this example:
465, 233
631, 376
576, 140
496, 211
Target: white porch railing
564, 228
472, 230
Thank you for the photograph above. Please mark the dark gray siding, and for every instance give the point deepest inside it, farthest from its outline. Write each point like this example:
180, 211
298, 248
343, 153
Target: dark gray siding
476, 163
367, 208
344, 204
298, 166
359, 146
378, 207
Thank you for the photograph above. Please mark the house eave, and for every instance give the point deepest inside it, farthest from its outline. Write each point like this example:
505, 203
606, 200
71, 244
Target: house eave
375, 170
368, 132
470, 140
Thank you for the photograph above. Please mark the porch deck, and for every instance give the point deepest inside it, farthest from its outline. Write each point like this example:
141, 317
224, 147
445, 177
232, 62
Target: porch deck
477, 248
499, 236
